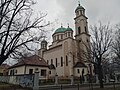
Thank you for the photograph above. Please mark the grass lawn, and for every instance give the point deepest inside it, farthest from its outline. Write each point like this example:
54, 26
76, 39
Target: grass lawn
6, 86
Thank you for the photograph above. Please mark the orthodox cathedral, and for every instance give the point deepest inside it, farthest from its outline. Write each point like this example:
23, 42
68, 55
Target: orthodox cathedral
66, 55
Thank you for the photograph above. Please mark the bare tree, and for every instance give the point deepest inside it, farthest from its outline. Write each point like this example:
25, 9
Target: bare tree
116, 43
99, 47
17, 27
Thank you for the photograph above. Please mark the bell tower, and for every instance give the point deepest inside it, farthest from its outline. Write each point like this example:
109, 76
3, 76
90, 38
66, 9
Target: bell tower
81, 31
81, 24
43, 47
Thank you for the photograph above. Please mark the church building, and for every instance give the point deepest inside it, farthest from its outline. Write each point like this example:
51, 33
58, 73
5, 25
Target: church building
66, 55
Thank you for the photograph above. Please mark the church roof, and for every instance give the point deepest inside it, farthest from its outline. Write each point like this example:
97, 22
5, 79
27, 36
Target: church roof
33, 60
80, 64
62, 29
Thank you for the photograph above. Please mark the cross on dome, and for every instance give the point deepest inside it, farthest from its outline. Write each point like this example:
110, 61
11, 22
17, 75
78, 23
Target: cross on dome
68, 25
61, 25
44, 37
79, 3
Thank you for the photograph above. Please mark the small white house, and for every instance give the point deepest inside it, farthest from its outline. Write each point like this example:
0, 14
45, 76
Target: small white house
29, 65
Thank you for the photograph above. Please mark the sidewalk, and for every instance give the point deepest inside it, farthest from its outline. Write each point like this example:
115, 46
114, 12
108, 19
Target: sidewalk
63, 87
74, 87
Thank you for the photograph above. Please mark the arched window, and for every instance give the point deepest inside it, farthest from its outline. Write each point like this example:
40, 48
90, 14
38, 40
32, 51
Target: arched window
66, 61
47, 61
87, 40
85, 29
77, 13
61, 36
79, 30
68, 34
57, 37
81, 12
61, 61
78, 71
51, 61
56, 62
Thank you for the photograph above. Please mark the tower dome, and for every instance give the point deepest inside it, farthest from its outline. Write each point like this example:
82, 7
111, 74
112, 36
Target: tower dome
44, 41
44, 44
80, 10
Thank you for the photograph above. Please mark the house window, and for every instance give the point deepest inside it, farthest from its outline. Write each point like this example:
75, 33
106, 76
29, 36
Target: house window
51, 61
66, 61
11, 72
16, 71
79, 30
43, 72
36, 69
78, 71
30, 71
56, 62
61, 61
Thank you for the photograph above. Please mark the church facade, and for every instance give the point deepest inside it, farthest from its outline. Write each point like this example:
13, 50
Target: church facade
66, 55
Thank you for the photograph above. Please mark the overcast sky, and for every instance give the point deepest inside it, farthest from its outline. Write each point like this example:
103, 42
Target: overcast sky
64, 11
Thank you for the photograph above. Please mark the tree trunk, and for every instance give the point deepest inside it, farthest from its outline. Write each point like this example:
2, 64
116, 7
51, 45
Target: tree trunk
100, 75
2, 59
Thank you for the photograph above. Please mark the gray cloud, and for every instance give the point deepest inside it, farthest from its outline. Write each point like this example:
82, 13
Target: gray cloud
104, 10
64, 11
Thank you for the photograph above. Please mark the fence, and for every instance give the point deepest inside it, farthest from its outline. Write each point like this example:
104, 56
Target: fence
33, 80
23, 80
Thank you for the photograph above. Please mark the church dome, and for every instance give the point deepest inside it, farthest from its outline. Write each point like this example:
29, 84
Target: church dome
60, 30
69, 29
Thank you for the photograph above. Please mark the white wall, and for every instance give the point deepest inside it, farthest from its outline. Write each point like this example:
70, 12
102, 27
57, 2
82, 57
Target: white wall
53, 54
21, 70
80, 69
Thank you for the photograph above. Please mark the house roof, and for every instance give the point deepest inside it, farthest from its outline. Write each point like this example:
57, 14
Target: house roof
80, 64
4, 66
34, 60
